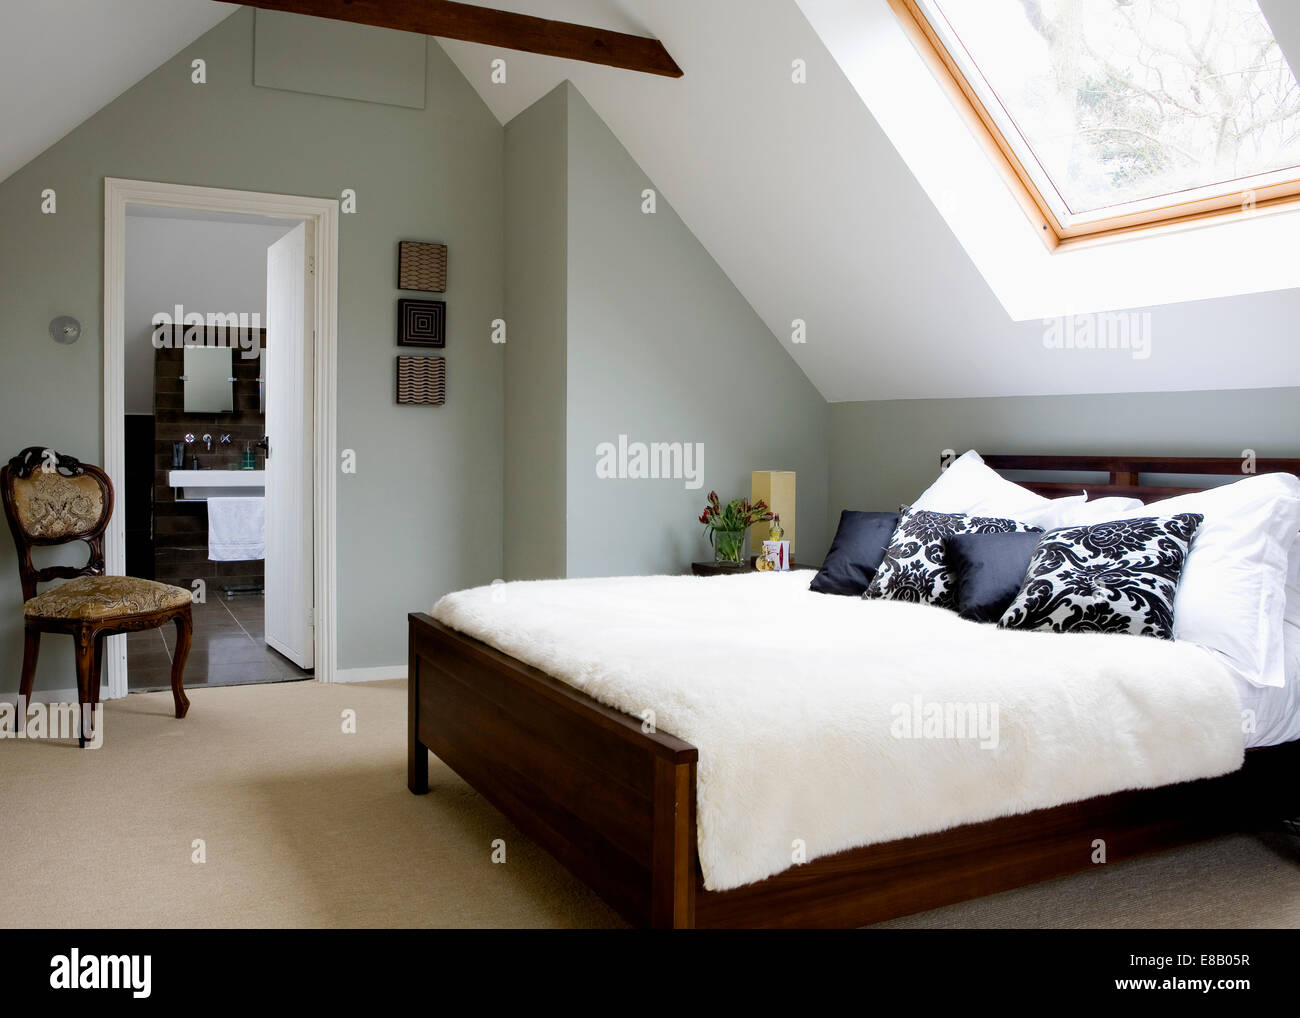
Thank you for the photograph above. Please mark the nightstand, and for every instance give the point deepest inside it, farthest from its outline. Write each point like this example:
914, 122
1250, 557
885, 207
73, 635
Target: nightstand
719, 569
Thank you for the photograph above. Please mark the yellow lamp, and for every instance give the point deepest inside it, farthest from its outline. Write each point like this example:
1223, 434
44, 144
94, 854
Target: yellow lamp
776, 488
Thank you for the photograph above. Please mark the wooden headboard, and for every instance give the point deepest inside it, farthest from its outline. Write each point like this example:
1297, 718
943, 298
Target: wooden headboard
1123, 474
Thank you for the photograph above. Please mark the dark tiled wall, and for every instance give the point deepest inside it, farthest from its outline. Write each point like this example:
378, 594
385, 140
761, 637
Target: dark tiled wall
181, 528
136, 504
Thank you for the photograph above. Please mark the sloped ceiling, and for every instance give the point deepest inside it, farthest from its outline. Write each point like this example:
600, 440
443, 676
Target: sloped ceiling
63, 60
794, 190
804, 202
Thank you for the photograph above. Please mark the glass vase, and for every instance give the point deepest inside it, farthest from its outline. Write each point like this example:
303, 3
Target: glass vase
731, 547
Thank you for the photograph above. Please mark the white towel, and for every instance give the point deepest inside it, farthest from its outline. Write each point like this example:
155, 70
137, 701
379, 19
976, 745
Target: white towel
236, 529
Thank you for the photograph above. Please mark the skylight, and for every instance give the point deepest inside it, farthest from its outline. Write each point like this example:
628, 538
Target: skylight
1121, 114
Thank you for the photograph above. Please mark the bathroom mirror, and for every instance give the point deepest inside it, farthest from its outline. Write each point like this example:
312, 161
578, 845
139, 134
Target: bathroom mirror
209, 380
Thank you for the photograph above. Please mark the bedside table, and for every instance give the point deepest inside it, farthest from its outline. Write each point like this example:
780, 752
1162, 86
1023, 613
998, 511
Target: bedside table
719, 569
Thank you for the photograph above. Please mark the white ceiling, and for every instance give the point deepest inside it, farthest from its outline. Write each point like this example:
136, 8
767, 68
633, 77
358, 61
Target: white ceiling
62, 60
794, 190
806, 205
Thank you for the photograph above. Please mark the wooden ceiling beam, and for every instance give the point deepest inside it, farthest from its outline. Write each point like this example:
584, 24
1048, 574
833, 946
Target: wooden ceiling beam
469, 23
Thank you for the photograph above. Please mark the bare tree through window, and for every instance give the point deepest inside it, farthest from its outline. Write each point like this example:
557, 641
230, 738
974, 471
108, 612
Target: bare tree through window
1125, 100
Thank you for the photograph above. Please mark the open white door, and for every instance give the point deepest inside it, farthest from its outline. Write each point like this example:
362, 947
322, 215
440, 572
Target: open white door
287, 371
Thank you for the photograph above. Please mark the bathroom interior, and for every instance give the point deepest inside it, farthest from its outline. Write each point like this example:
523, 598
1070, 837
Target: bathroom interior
195, 494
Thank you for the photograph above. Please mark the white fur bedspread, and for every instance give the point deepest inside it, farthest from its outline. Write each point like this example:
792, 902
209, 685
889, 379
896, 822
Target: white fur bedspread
793, 700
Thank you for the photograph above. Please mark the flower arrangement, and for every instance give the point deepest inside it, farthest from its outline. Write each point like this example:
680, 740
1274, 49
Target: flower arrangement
728, 525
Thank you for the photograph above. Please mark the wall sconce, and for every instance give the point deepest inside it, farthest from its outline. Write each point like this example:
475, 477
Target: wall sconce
65, 329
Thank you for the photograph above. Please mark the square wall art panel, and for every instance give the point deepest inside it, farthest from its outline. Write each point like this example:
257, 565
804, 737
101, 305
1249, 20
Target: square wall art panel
421, 381
422, 266
422, 323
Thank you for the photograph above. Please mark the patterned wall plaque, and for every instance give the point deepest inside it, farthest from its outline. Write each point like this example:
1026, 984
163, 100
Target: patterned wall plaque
421, 381
422, 323
422, 266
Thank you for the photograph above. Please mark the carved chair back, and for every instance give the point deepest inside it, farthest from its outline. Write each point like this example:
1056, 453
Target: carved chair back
52, 499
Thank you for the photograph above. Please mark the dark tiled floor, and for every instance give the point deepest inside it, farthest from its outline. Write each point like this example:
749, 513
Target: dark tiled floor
229, 649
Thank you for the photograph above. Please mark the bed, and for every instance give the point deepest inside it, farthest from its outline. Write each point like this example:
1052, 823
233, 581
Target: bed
619, 801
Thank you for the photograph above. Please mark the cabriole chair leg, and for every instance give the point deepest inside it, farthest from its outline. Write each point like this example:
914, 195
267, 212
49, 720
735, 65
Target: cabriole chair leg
85, 650
31, 653
184, 635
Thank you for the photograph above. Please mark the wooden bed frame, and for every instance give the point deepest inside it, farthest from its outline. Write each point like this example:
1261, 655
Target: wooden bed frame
616, 805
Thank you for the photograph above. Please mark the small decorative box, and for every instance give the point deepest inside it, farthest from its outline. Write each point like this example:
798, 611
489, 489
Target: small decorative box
777, 554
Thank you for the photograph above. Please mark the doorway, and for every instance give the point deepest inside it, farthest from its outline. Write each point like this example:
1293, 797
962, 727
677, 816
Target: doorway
265, 590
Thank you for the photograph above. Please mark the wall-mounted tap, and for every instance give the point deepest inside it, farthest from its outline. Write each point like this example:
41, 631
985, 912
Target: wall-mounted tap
224, 440
207, 440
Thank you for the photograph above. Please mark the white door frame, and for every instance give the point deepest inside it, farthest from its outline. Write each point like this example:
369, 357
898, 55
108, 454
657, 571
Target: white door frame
323, 212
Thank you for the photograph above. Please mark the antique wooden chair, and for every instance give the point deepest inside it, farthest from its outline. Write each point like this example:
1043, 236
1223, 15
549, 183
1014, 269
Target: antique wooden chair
52, 499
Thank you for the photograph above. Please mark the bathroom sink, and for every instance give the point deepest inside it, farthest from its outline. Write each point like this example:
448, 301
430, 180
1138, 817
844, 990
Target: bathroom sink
203, 484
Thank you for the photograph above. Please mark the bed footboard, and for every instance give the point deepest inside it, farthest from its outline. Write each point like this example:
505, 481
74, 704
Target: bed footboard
613, 803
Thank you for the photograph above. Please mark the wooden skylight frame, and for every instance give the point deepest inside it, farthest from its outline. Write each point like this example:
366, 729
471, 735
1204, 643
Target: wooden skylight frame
1275, 192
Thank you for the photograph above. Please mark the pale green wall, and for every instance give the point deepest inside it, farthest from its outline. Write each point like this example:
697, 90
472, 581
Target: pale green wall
535, 357
887, 452
423, 513
663, 348
622, 324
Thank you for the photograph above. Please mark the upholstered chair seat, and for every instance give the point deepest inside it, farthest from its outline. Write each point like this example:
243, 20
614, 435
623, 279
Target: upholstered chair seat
105, 597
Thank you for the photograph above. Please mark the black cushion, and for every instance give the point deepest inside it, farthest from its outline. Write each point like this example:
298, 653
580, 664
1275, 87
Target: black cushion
856, 553
988, 570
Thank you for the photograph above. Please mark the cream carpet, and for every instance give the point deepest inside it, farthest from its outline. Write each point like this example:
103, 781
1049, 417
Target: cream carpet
306, 826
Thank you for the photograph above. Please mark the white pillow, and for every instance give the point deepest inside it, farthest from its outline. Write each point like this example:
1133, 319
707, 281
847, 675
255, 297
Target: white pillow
1291, 647
1232, 595
968, 486
1293, 584
1055, 512
1077, 511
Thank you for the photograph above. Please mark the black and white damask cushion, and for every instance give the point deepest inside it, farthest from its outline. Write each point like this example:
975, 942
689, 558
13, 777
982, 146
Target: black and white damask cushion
1118, 577
915, 567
